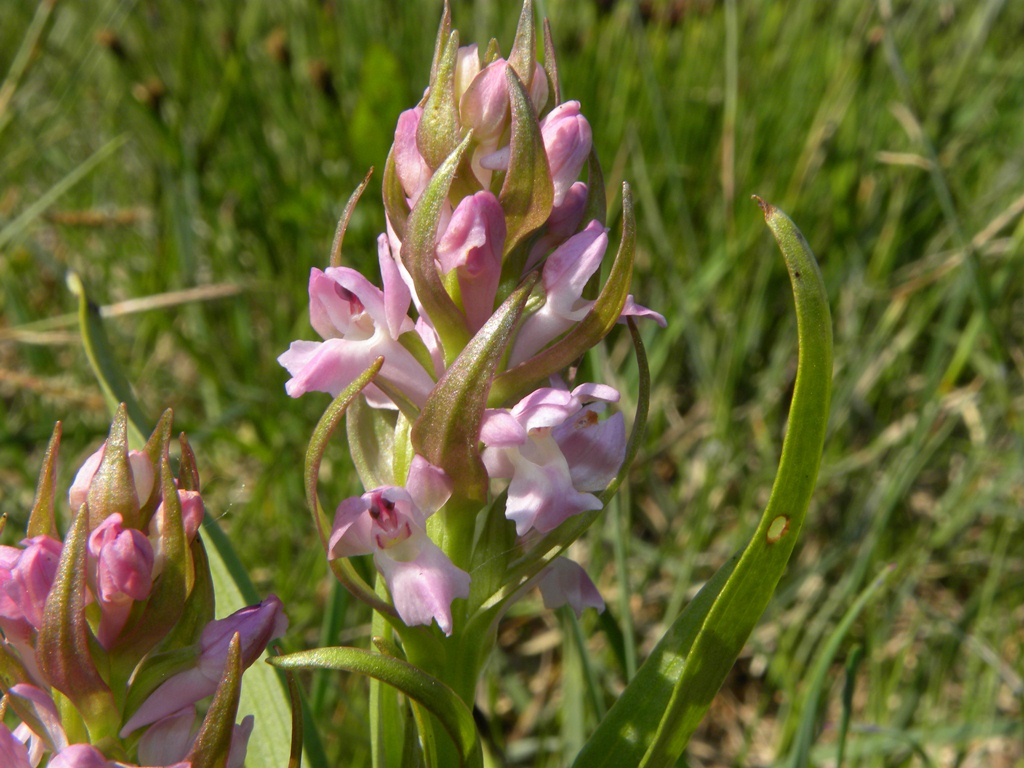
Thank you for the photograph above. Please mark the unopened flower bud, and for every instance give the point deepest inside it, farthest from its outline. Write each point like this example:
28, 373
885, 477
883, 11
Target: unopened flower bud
567, 142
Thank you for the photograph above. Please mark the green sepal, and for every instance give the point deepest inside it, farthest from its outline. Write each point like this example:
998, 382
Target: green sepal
440, 700
653, 719
551, 66
438, 133
112, 489
188, 468
156, 448
395, 205
41, 521
167, 598
64, 644
444, 31
346, 214
527, 194
589, 331
597, 204
371, 438
523, 56
335, 412
213, 742
447, 433
418, 254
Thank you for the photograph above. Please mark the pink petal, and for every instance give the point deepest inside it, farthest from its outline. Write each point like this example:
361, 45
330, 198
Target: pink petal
564, 582
594, 449
423, 588
169, 739
429, 486
13, 753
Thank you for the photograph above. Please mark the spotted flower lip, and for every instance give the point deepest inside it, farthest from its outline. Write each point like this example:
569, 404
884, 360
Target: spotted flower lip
389, 523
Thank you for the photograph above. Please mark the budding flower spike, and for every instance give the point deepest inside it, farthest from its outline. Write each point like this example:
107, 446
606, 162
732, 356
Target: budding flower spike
484, 444
110, 647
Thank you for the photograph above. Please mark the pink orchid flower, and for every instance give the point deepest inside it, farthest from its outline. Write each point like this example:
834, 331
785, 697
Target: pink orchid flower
389, 522
359, 323
554, 450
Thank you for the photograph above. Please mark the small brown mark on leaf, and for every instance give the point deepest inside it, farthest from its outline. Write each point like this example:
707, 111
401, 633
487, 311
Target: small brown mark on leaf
778, 528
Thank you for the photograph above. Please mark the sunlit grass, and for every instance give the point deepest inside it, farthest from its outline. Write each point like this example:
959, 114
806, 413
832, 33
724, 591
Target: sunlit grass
892, 136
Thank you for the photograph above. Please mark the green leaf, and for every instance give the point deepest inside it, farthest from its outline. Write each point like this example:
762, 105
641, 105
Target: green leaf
523, 56
453, 714
447, 432
820, 676
654, 718
346, 214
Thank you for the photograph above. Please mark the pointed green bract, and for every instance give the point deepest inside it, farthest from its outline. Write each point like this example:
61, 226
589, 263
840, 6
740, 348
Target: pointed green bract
418, 254
453, 714
63, 646
112, 490
438, 132
527, 194
654, 718
447, 432
214, 738
523, 56
41, 521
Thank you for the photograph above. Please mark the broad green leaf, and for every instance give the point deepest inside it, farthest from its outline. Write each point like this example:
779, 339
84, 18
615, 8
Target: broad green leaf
654, 718
435, 696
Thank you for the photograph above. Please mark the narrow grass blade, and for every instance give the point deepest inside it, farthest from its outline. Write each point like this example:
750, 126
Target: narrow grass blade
654, 718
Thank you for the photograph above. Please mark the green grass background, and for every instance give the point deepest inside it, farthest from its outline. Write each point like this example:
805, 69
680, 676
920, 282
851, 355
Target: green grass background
891, 132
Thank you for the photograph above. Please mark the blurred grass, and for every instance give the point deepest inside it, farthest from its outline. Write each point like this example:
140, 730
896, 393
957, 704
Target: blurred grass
890, 132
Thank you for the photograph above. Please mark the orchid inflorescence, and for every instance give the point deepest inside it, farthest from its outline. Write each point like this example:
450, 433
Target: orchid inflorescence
495, 245
110, 640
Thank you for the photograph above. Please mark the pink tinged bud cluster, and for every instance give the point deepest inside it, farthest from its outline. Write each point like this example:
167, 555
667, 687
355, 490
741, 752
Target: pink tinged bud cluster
123, 566
390, 523
555, 451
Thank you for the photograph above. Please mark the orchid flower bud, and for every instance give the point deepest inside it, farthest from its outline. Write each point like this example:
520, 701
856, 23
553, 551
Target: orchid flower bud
567, 142
564, 582
124, 574
413, 171
141, 471
472, 247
